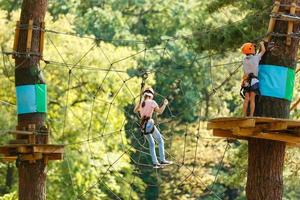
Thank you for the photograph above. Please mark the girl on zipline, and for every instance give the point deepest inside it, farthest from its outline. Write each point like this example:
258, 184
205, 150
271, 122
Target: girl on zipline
146, 107
250, 84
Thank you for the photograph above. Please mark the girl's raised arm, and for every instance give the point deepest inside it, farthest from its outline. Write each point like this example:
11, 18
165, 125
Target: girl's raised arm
162, 108
137, 107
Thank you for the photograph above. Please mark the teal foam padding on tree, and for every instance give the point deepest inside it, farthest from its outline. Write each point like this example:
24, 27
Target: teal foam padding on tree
26, 99
31, 98
41, 97
275, 81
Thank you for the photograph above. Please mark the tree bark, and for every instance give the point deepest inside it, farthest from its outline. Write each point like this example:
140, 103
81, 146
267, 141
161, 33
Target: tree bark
32, 176
9, 176
266, 157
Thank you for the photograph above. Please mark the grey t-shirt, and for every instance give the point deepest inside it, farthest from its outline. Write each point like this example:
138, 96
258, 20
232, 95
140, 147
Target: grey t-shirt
250, 64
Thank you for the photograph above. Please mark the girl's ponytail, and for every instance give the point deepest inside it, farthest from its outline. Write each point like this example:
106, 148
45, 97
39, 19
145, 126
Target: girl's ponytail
143, 101
143, 104
145, 96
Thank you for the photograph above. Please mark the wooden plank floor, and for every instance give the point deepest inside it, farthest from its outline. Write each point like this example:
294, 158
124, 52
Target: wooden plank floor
32, 151
284, 130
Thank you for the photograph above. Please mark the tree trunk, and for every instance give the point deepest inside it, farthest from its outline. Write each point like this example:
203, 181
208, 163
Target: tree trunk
32, 176
9, 176
266, 157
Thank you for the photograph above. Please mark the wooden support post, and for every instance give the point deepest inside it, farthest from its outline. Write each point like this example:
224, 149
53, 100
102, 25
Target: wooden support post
32, 177
42, 36
45, 159
272, 20
291, 24
16, 39
29, 36
31, 138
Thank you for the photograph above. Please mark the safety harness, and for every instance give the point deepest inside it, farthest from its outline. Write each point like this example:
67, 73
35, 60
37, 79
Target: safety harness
144, 122
246, 84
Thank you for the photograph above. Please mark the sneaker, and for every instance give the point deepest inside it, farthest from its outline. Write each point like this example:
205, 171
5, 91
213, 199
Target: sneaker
166, 162
156, 166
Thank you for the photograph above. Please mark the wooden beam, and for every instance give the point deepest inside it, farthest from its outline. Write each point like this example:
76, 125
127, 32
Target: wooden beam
284, 17
16, 39
276, 126
48, 148
231, 124
278, 137
24, 149
42, 36
31, 157
291, 24
19, 141
272, 20
259, 121
55, 156
283, 130
29, 36
245, 131
15, 149
17, 132
287, 7
284, 138
9, 158
226, 134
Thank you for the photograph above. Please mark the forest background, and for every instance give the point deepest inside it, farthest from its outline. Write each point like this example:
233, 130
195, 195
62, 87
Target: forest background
96, 53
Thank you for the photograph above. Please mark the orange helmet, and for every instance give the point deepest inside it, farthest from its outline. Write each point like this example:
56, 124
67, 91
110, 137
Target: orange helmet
248, 48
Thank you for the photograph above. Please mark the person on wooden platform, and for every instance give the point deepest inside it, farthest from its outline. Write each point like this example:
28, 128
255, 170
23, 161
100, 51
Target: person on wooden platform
250, 83
146, 107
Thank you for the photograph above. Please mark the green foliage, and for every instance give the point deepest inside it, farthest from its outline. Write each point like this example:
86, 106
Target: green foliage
11, 196
241, 21
10, 6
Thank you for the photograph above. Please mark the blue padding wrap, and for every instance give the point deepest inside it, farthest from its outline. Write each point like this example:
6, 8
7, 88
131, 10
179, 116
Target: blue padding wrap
31, 98
26, 99
276, 81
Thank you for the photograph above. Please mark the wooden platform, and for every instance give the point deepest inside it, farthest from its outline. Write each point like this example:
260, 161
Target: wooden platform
283, 130
26, 137
31, 152
26, 145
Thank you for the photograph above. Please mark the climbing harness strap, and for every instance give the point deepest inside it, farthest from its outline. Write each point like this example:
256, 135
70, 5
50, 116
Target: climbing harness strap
144, 123
246, 85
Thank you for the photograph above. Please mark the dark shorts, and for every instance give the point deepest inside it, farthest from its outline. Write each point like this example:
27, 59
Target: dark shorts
254, 88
